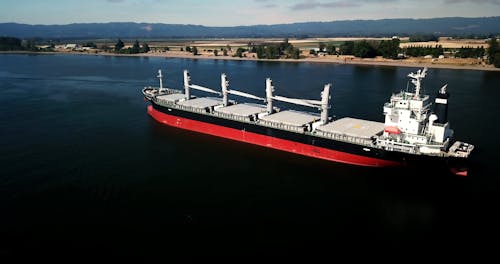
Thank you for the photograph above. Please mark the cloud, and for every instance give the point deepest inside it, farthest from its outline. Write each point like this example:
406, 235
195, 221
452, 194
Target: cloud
148, 28
311, 4
115, 1
316, 4
493, 2
268, 5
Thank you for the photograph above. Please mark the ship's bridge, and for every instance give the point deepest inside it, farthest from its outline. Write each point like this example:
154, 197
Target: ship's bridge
406, 100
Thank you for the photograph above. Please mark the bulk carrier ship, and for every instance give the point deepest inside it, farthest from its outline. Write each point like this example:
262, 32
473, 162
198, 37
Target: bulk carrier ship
414, 131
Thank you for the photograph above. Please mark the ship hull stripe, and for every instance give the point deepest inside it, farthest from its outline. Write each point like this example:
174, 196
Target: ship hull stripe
268, 141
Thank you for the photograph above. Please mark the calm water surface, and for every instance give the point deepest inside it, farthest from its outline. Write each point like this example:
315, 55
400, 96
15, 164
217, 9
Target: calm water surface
84, 169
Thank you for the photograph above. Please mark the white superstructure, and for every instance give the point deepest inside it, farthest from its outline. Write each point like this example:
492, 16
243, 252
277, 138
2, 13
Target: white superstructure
410, 124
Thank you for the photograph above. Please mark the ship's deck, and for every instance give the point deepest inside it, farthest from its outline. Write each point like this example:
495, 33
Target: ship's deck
171, 98
243, 109
291, 118
201, 103
353, 127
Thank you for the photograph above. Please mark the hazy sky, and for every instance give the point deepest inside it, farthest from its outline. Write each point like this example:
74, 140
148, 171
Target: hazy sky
235, 12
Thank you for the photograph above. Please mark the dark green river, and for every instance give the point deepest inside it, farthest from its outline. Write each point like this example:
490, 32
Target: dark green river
84, 171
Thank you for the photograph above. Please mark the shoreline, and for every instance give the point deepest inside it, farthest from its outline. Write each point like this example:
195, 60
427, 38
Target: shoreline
332, 60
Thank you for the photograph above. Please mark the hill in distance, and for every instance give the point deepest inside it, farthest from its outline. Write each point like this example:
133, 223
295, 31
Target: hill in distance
450, 26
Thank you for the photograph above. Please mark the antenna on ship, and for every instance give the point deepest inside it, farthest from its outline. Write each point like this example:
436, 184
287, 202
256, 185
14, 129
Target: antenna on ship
417, 78
443, 89
224, 84
269, 95
325, 103
187, 78
161, 81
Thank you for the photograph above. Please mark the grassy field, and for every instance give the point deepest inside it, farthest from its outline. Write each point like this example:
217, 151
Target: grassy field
303, 44
206, 47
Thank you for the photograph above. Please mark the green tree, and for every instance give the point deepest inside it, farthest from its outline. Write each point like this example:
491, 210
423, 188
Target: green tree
296, 54
216, 52
289, 52
136, 48
493, 50
321, 46
90, 45
195, 51
9, 43
497, 60
479, 52
145, 48
188, 49
423, 38
260, 52
284, 46
424, 51
224, 52
119, 45
389, 49
239, 52
268, 52
29, 45
347, 48
272, 52
469, 52
437, 51
363, 49
331, 49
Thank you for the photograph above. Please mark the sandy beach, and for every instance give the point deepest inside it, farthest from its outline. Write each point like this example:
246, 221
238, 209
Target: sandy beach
457, 64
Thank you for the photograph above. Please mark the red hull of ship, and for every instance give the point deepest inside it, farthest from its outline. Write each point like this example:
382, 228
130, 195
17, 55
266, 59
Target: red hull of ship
267, 141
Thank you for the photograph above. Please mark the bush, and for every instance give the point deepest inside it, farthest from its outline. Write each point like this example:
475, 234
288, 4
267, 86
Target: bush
8, 43
347, 48
389, 49
363, 49
497, 60
423, 38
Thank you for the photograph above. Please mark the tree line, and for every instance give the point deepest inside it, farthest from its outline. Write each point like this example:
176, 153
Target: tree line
469, 52
370, 49
14, 44
494, 52
136, 48
419, 51
275, 51
423, 38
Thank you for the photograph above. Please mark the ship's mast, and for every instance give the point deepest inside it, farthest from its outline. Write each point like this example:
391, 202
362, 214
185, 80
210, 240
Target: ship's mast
269, 95
226, 91
325, 103
224, 84
187, 78
417, 78
161, 81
